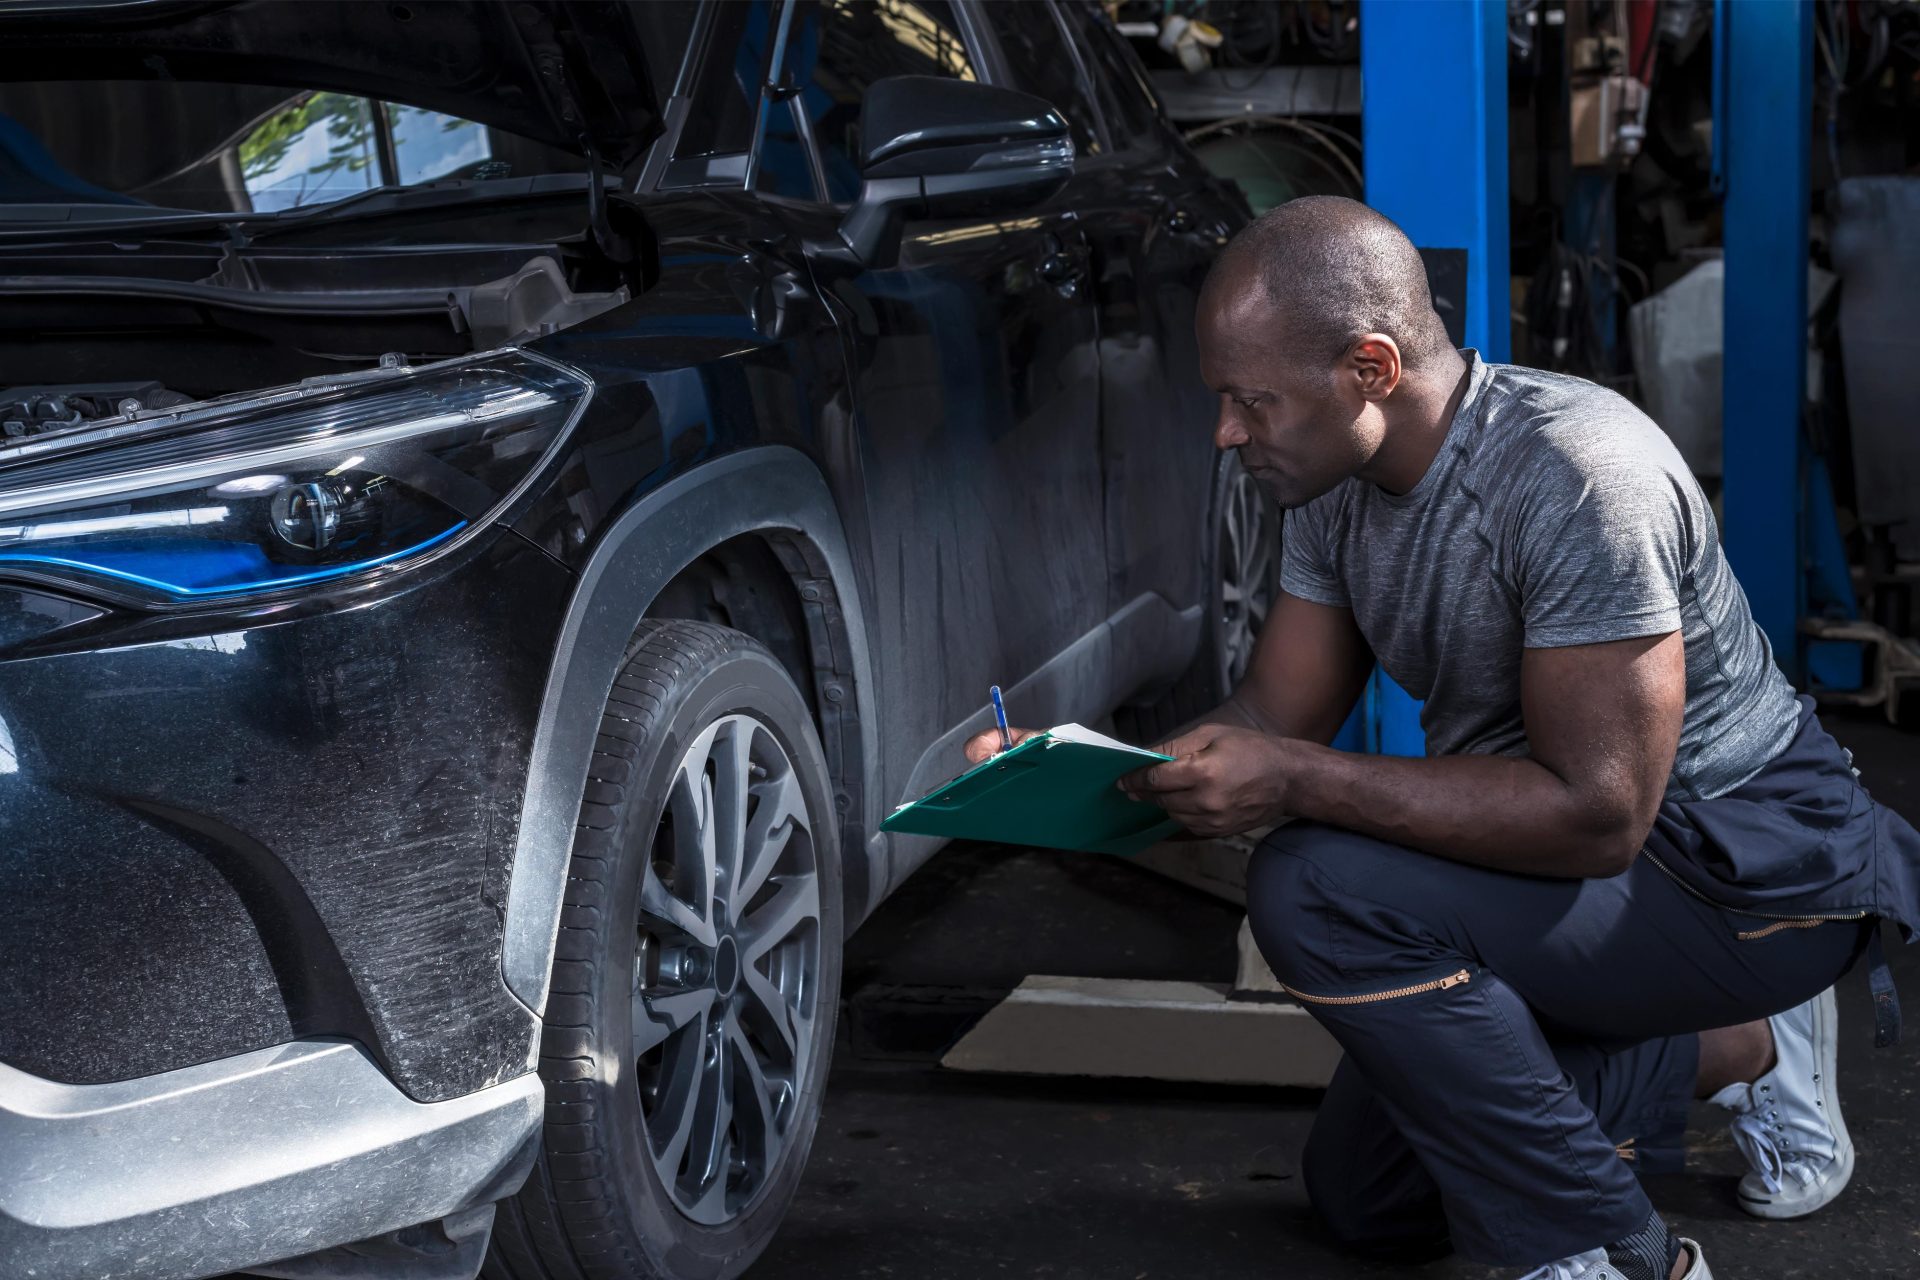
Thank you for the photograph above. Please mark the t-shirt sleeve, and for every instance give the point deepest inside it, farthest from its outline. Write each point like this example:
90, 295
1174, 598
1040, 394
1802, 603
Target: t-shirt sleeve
1306, 562
1601, 550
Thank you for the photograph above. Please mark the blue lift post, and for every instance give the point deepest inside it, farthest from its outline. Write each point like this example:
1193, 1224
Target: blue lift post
1433, 83
1781, 535
1780, 532
1765, 55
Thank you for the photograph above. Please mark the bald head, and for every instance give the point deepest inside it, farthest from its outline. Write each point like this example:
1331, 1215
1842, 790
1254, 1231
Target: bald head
1331, 269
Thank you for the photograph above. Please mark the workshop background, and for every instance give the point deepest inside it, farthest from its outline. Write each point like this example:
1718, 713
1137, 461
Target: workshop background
721, 483
1065, 1066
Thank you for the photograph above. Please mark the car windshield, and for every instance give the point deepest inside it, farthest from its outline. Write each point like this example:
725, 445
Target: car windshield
118, 148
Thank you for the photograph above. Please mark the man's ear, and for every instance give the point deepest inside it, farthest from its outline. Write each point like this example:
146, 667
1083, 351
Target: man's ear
1374, 360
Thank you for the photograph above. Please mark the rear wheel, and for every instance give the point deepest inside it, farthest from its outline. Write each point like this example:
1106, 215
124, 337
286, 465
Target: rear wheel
1243, 580
690, 1014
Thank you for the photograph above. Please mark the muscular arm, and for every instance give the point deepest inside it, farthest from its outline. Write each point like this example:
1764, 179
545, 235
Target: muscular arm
1308, 668
1603, 721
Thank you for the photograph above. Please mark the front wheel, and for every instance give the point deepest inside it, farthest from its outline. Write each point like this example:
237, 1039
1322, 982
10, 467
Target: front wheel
690, 1013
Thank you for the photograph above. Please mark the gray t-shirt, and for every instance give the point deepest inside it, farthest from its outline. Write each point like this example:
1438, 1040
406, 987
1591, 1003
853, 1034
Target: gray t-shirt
1555, 514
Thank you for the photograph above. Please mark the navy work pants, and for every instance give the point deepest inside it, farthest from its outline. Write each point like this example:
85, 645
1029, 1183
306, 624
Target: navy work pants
1510, 1040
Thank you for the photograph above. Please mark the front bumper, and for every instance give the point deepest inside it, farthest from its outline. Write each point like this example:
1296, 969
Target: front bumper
290, 828
241, 1161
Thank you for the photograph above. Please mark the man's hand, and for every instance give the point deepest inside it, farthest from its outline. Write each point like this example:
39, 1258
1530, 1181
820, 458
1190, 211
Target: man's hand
986, 744
1222, 781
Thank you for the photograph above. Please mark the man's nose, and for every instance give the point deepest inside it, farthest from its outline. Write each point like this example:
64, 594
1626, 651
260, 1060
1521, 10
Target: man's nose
1228, 433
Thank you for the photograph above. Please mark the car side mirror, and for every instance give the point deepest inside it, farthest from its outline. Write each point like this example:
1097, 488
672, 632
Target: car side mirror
935, 147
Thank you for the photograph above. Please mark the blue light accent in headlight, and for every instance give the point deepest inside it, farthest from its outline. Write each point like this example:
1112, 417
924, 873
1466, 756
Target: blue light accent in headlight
210, 569
288, 487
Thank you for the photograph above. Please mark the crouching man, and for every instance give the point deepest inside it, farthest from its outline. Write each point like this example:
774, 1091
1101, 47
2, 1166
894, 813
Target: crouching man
1632, 865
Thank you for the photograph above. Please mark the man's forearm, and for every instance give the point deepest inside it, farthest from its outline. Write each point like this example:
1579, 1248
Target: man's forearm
1506, 812
1307, 722
1233, 712
1602, 722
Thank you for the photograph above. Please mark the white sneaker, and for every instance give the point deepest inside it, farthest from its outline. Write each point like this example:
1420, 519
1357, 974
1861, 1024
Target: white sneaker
1788, 1123
1593, 1265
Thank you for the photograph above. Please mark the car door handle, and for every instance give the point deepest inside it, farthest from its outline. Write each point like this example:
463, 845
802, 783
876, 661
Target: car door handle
1064, 273
1063, 266
780, 304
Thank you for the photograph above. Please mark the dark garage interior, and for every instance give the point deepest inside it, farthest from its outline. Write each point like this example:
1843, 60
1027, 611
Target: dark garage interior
1094, 639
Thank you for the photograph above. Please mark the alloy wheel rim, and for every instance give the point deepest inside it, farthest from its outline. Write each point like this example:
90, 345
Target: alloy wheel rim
1246, 591
727, 970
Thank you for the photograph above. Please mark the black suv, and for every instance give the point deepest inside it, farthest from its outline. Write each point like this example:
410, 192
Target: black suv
495, 502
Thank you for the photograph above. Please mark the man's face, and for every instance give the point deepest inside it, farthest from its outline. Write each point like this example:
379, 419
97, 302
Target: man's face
1299, 427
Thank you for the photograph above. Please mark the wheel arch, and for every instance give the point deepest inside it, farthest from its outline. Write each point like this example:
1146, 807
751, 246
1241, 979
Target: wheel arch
771, 496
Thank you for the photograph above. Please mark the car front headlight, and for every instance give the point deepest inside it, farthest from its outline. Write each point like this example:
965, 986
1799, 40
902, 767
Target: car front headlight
268, 493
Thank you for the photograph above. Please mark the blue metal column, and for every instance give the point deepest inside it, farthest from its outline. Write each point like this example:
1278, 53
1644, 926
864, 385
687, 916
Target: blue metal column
1762, 137
1433, 83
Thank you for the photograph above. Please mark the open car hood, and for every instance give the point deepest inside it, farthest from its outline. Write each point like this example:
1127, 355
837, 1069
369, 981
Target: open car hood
569, 74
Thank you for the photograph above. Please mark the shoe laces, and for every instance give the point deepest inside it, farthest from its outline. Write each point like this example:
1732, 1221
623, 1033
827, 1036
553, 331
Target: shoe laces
1768, 1146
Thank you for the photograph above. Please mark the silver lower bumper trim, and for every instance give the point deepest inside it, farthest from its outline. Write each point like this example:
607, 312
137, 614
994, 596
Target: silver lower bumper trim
246, 1160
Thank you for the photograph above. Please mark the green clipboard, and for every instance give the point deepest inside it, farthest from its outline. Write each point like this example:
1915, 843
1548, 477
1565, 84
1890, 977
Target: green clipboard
1054, 790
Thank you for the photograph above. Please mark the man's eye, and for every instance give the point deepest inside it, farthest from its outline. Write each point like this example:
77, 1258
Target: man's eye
1247, 402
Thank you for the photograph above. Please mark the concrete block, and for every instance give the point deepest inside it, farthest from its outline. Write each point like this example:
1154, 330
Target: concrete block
1218, 867
1135, 1029
1251, 972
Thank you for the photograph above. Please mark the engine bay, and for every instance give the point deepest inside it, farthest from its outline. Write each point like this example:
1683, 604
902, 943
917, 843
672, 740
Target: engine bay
32, 411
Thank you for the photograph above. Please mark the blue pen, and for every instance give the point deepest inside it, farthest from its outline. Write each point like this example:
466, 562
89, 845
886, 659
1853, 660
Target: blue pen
1000, 718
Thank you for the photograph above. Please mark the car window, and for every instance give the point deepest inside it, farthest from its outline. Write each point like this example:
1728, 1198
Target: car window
726, 83
836, 48
1036, 50
1119, 84
324, 146
236, 148
666, 28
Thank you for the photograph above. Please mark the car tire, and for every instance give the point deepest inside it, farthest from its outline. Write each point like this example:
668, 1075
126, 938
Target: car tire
1243, 580
698, 962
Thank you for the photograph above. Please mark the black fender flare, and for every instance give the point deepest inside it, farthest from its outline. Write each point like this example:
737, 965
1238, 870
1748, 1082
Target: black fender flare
758, 490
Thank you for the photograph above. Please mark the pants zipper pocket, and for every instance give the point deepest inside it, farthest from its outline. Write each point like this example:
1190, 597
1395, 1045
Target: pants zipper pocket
1460, 979
1750, 935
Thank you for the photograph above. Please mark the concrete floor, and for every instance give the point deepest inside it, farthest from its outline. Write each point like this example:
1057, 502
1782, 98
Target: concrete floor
929, 1175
